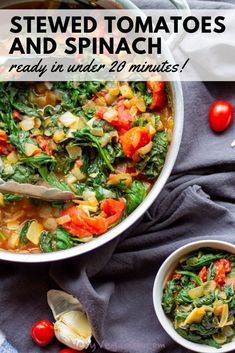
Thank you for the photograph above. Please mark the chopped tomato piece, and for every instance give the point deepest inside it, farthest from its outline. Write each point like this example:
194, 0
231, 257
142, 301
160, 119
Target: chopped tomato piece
5, 146
177, 275
3, 135
203, 274
156, 86
44, 143
113, 209
80, 224
222, 267
76, 231
159, 100
100, 113
121, 120
16, 114
159, 97
134, 139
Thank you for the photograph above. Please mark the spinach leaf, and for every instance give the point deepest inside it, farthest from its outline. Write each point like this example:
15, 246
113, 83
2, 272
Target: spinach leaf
64, 240
203, 259
60, 240
9, 198
202, 331
229, 290
168, 298
183, 297
23, 232
37, 160
191, 274
205, 300
180, 315
20, 174
152, 164
76, 93
84, 135
197, 338
114, 151
52, 179
135, 195
45, 242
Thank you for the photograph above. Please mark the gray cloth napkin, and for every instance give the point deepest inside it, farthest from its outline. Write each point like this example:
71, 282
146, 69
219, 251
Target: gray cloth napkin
114, 283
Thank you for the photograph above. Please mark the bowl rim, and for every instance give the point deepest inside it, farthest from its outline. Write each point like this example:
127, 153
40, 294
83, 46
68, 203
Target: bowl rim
172, 154
158, 288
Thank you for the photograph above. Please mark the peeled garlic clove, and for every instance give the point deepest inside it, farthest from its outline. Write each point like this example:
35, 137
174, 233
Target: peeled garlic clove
68, 337
77, 321
61, 302
72, 326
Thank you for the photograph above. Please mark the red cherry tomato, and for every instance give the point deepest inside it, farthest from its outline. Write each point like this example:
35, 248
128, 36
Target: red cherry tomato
42, 332
220, 115
70, 350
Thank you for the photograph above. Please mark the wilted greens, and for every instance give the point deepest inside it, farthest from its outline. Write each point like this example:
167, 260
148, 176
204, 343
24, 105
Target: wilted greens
104, 141
200, 297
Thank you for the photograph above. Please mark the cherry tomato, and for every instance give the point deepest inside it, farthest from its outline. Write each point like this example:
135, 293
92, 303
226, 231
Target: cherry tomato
42, 332
203, 274
220, 115
134, 139
222, 267
70, 350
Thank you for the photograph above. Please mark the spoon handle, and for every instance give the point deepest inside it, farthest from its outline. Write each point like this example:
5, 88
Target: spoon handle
35, 191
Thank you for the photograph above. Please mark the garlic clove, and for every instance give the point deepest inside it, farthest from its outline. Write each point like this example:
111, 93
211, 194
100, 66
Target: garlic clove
61, 302
78, 322
68, 337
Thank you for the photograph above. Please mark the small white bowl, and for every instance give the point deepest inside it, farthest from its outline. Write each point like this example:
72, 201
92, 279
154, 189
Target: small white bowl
163, 275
